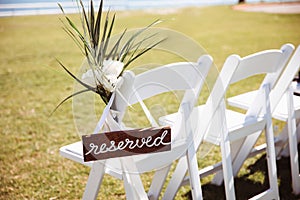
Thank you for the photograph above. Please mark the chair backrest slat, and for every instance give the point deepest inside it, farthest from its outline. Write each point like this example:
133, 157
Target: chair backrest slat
287, 51
269, 62
179, 76
258, 63
185, 76
285, 79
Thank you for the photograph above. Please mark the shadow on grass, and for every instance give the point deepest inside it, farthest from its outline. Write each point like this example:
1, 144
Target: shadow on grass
246, 188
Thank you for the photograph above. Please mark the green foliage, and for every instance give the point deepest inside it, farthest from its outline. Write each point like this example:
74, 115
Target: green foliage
94, 42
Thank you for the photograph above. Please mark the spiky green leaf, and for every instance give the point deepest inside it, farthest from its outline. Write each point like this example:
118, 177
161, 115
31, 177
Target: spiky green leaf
67, 98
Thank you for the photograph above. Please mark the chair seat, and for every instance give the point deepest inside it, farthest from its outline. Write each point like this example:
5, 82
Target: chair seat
146, 162
74, 152
280, 113
238, 125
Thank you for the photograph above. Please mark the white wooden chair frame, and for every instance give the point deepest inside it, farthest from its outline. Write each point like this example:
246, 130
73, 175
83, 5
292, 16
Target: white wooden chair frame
189, 77
283, 109
227, 76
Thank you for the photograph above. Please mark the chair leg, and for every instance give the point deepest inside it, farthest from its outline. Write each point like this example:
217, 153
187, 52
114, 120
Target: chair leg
272, 192
283, 137
271, 160
239, 158
193, 172
293, 143
244, 152
294, 159
158, 182
227, 171
236, 146
94, 181
176, 180
227, 162
298, 130
132, 182
271, 153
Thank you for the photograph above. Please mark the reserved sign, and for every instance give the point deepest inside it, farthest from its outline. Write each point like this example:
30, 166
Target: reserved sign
126, 143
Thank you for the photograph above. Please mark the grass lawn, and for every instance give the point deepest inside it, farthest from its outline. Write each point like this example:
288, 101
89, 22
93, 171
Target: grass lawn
32, 84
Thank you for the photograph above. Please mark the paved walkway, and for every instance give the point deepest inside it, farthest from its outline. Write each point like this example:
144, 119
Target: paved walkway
282, 8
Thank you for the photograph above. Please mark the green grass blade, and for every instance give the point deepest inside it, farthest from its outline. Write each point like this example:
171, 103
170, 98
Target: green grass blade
98, 23
101, 52
141, 53
114, 51
136, 47
75, 39
73, 76
67, 98
132, 38
109, 34
132, 54
61, 8
85, 24
92, 24
73, 26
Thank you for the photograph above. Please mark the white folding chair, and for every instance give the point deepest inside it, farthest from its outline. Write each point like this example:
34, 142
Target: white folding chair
185, 76
284, 107
230, 129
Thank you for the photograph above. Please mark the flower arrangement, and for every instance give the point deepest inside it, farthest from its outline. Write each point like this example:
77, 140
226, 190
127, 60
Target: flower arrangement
106, 65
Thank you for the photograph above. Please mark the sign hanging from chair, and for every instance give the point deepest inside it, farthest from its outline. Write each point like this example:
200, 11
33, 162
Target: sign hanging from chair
126, 143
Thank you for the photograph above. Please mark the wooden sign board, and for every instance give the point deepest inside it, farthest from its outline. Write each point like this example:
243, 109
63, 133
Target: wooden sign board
126, 143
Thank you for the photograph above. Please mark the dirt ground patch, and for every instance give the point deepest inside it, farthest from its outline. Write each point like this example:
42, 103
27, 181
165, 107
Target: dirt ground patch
282, 8
245, 188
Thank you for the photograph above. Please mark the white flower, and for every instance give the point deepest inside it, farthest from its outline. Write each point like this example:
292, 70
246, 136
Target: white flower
107, 75
112, 67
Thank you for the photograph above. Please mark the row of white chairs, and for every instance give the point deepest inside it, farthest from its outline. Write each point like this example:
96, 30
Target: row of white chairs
213, 122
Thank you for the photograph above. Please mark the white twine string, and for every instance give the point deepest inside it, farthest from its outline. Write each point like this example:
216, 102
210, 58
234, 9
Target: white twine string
104, 114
